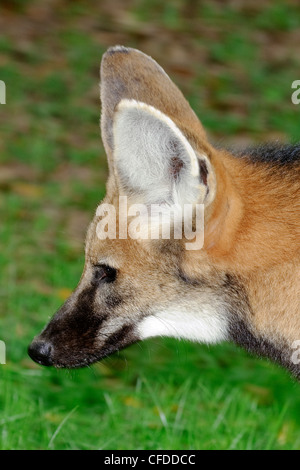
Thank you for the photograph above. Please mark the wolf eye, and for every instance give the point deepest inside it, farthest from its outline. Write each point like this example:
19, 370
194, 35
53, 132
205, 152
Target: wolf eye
104, 273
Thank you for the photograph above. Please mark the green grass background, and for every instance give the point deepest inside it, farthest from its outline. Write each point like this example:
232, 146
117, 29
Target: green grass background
235, 61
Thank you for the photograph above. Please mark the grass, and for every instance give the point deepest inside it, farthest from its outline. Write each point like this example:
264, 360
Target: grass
236, 67
178, 396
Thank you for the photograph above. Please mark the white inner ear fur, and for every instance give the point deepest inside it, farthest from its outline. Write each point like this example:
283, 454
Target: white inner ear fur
146, 145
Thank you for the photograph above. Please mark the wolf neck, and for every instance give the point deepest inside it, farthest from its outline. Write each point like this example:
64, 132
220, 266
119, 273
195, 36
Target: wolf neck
252, 231
276, 348
254, 220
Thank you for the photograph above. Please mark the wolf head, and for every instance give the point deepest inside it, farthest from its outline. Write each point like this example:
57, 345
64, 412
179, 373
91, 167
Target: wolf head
134, 287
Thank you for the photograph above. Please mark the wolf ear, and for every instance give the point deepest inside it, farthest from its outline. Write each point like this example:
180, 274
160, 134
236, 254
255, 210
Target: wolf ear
130, 74
153, 159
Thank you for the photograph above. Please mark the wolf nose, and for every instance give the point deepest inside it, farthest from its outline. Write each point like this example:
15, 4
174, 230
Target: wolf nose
40, 351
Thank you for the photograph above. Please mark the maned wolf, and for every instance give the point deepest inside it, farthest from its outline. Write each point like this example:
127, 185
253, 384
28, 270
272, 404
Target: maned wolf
241, 286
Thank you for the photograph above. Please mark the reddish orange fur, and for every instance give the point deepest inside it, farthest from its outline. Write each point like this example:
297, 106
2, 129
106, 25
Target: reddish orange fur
253, 230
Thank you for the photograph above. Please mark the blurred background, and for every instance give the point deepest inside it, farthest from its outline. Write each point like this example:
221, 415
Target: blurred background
235, 62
